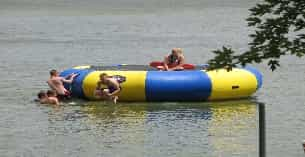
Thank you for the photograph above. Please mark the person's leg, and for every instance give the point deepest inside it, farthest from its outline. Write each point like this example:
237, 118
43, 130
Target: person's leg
179, 68
106, 93
160, 68
115, 99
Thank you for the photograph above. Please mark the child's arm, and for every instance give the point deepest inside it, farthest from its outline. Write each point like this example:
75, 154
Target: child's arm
99, 91
165, 62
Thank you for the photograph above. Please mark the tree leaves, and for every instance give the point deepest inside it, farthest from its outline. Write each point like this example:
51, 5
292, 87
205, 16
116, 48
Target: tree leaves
279, 27
273, 64
224, 58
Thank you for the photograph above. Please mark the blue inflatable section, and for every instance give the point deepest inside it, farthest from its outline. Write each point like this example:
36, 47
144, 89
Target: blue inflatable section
177, 86
258, 75
77, 85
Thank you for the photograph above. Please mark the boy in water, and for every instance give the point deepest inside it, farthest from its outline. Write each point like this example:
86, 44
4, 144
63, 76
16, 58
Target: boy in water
44, 99
112, 90
52, 96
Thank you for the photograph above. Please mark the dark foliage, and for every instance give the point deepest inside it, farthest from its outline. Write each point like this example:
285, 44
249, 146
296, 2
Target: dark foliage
279, 27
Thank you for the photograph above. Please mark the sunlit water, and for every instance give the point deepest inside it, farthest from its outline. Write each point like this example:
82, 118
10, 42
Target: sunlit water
36, 36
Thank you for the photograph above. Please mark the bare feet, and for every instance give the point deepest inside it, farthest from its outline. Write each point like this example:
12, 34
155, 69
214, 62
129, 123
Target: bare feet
115, 99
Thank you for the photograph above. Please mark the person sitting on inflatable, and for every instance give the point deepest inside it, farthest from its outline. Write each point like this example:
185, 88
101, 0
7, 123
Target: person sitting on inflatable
174, 61
113, 87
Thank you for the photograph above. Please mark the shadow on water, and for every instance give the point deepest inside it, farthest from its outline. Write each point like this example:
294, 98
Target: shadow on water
215, 128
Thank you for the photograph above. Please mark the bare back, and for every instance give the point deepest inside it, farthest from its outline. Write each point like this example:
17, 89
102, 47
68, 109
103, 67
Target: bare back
56, 83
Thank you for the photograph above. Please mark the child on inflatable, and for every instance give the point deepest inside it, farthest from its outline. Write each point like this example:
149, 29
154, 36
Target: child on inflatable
113, 87
173, 62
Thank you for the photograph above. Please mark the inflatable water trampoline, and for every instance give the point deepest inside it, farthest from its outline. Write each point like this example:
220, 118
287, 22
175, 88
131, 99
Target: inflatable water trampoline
144, 83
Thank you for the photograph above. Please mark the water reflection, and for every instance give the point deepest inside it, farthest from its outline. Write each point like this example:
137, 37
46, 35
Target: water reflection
233, 128
163, 129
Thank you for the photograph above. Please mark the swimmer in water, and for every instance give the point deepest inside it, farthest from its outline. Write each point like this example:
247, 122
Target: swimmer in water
44, 99
53, 96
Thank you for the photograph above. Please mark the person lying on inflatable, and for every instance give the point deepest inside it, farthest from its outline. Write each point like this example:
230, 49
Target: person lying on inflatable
174, 61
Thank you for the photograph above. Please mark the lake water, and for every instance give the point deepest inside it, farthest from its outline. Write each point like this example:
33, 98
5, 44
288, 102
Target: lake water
38, 35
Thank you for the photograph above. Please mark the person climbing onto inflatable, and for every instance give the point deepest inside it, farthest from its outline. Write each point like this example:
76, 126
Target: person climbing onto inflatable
56, 83
113, 87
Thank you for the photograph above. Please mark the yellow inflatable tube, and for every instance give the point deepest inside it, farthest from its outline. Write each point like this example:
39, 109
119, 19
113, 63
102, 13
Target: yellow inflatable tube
153, 85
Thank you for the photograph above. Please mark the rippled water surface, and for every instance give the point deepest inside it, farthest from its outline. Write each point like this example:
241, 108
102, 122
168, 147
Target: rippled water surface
36, 36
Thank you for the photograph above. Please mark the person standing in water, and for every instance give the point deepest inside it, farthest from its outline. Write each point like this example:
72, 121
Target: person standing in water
56, 83
174, 61
113, 87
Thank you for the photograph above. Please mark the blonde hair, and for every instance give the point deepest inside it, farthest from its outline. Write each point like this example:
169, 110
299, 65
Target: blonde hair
179, 50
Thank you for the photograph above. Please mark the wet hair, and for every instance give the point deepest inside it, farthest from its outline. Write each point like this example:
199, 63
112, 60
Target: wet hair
51, 93
53, 72
103, 74
41, 94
